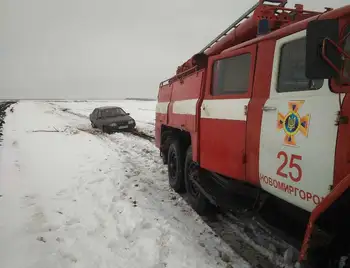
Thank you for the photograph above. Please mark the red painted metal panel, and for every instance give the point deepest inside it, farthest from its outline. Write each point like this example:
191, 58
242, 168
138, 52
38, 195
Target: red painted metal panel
183, 121
164, 95
222, 146
342, 152
189, 88
222, 142
195, 136
186, 90
261, 92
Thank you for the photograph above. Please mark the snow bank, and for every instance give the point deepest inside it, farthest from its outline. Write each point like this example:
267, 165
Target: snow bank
74, 197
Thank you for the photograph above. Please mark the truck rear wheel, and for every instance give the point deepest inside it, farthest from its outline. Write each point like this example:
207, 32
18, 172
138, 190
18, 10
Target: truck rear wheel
176, 158
196, 198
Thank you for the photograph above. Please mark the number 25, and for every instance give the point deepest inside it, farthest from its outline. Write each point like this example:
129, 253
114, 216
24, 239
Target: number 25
292, 164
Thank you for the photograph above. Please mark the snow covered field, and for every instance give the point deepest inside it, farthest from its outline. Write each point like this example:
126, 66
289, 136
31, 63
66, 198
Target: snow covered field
142, 111
72, 196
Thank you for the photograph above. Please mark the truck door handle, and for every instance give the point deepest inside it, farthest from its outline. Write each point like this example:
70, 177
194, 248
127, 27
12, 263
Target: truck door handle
269, 108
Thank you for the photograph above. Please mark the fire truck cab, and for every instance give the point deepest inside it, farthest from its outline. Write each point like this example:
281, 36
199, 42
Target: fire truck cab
262, 113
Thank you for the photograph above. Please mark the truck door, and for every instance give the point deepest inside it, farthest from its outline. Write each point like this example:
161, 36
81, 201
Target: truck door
223, 112
298, 131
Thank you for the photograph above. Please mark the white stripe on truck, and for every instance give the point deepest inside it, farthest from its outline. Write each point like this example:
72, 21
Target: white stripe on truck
162, 107
185, 107
225, 109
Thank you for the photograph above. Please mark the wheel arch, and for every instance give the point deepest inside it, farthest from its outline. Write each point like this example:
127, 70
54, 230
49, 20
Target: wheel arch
169, 133
328, 217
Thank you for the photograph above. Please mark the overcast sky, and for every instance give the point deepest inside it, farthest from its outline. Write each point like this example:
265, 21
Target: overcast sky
106, 48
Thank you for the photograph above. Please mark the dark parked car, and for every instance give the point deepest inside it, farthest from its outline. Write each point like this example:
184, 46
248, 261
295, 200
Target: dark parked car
111, 118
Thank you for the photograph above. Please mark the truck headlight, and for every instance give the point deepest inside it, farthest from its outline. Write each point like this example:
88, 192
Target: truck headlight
131, 122
113, 124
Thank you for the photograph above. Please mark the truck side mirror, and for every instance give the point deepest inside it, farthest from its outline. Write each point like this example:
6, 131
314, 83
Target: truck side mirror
322, 53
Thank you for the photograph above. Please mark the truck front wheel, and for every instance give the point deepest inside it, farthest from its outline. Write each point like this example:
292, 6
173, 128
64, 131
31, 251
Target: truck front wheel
196, 198
175, 166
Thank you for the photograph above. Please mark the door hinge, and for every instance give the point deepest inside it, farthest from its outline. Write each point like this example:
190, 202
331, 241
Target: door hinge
245, 110
244, 158
341, 119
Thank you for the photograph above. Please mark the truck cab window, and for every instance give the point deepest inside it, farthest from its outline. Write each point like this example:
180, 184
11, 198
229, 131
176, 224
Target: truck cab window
231, 75
291, 75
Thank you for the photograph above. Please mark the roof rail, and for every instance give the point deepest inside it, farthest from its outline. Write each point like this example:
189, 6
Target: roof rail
245, 15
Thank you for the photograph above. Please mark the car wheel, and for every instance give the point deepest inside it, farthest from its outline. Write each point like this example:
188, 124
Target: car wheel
176, 158
93, 125
195, 197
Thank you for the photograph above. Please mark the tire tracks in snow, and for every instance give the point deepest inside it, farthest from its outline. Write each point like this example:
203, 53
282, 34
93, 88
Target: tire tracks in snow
133, 172
135, 132
225, 229
240, 235
230, 231
152, 167
131, 233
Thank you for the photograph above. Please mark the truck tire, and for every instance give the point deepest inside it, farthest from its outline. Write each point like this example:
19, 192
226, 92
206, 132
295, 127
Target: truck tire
165, 149
195, 197
176, 158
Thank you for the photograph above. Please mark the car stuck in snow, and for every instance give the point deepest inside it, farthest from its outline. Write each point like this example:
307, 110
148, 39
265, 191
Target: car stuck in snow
111, 119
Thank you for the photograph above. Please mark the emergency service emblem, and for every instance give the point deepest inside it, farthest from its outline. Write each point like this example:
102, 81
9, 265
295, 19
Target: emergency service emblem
292, 123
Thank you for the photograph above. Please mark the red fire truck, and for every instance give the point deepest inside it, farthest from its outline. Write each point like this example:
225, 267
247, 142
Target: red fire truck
260, 117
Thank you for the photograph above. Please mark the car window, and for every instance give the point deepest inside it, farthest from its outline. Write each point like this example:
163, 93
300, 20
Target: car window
112, 112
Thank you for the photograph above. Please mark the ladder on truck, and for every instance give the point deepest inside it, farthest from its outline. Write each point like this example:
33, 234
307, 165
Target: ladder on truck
245, 16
